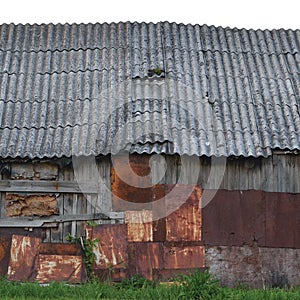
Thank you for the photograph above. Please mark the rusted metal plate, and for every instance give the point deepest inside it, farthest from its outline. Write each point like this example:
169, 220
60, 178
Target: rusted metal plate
23, 255
131, 182
114, 275
183, 257
30, 205
159, 210
68, 268
111, 251
282, 220
235, 218
60, 249
144, 258
5, 243
184, 224
139, 226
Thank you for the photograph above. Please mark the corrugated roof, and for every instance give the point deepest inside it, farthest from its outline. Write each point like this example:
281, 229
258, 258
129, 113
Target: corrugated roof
85, 89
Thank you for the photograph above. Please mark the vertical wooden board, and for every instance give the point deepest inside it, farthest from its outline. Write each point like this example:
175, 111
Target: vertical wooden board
67, 268
139, 226
104, 200
133, 190
282, 220
23, 254
184, 257
144, 258
111, 250
184, 224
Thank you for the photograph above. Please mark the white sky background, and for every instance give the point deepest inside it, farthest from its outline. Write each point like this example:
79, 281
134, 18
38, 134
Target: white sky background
256, 14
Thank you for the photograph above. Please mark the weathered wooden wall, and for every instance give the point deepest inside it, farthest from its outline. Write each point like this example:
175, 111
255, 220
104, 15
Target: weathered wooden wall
254, 212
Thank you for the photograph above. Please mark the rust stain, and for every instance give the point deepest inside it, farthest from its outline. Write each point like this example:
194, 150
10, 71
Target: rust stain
139, 226
184, 224
23, 254
130, 188
60, 249
30, 205
111, 251
144, 258
183, 257
67, 268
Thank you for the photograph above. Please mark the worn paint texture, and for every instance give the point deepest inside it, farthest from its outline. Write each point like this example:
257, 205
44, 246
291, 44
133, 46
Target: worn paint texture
254, 266
23, 256
31, 205
153, 248
139, 226
67, 268
32, 260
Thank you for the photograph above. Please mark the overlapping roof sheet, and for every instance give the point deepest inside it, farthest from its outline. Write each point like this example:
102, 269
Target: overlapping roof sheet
90, 89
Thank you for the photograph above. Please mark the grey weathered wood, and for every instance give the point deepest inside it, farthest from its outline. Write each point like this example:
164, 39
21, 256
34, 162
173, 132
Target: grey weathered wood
43, 186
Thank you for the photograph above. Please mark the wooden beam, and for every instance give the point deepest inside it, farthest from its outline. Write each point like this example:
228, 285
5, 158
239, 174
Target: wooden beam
46, 186
55, 220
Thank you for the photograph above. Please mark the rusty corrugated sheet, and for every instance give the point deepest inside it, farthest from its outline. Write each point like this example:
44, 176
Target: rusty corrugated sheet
111, 251
130, 188
23, 256
144, 258
139, 227
59, 268
184, 224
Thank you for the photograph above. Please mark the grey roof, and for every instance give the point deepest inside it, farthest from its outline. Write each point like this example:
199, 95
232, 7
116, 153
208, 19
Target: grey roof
85, 89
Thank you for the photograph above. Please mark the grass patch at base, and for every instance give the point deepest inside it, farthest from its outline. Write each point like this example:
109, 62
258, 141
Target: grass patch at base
199, 285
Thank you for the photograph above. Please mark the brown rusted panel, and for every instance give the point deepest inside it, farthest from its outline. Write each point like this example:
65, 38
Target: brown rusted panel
60, 249
144, 257
23, 255
111, 251
234, 218
114, 275
127, 187
183, 257
30, 205
139, 226
184, 224
159, 210
282, 220
4, 254
5, 243
68, 268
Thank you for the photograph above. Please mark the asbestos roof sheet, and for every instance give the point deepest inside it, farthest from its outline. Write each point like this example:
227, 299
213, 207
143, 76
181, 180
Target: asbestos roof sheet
90, 89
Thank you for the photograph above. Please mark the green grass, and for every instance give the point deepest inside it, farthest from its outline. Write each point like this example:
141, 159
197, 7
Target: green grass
195, 286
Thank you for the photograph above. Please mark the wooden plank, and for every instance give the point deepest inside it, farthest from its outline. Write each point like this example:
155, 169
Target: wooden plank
44, 222
46, 186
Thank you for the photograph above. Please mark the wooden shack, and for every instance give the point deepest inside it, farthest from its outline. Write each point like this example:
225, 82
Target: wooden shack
162, 147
